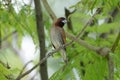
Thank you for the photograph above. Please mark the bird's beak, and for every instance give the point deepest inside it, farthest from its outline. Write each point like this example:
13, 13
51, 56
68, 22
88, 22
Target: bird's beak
64, 21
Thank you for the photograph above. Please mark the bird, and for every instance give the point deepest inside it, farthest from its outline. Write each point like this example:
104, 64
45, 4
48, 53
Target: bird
58, 37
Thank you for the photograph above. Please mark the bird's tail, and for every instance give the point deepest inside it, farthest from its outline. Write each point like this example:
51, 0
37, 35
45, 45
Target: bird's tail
63, 53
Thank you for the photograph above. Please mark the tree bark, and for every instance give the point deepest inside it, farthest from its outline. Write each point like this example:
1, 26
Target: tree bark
113, 14
69, 22
41, 37
49, 10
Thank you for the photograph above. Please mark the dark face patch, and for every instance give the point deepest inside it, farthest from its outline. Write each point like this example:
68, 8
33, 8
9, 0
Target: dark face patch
60, 22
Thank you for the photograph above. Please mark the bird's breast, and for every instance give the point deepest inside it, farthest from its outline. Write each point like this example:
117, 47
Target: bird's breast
56, 37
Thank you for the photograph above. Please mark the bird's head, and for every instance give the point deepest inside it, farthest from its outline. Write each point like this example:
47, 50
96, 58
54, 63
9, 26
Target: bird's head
60, 22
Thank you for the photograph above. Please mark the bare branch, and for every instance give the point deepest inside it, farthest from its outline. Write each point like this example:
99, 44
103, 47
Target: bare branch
69, 22
110, 59
49, 10
41, 38
115, 44
110, 68
112, 15
101, 51
25, 67
40, 62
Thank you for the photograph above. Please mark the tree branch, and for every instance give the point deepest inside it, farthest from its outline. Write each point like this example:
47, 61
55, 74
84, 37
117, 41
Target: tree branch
24, 67
112, 15
101, 51
69, 22
41, 38
110, 59
110, 68
49, 10
115, 44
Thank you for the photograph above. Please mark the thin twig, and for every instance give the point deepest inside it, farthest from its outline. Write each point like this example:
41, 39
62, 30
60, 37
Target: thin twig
110, 59
25, 67
115, 44
110, 67
40, 62
6, 37
49, 10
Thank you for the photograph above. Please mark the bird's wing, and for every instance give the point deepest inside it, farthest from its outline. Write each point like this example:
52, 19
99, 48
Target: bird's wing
63, 37
57, 37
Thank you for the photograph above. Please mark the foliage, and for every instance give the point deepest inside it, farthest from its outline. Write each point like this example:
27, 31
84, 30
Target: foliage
83, 63
5, 73
88, 65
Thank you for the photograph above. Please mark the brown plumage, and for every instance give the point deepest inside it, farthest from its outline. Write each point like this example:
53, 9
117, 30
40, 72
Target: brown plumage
58, 37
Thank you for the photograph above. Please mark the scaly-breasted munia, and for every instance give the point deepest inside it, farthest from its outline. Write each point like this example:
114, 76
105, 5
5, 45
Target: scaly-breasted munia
57, 35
